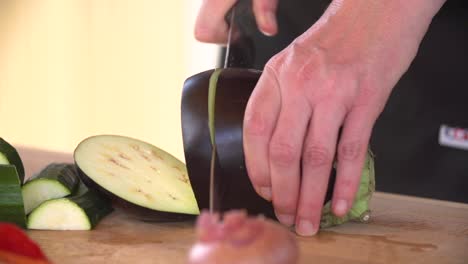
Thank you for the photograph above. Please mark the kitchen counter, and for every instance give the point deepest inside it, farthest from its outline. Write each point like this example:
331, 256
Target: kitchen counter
402, 229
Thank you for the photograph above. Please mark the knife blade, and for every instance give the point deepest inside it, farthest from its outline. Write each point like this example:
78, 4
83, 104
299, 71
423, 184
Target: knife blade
214, 149
228, 44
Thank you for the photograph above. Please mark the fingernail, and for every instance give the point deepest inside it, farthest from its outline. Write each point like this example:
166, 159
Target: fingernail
341, 207
286, 219
305, 228
265, 192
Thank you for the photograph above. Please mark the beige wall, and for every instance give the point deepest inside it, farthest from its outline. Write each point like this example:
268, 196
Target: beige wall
70, 69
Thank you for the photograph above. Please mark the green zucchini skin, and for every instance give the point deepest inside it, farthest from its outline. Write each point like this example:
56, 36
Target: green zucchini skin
94, 205
12, 156
57, 180
11, 200
65, 173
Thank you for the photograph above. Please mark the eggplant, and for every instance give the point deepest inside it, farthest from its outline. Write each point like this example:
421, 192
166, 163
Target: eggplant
233, 189
147, 182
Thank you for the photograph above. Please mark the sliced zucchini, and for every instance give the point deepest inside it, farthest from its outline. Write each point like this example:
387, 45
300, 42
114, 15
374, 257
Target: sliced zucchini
57, 180
81, 211
11, 201
9, 155
3, 160
138, 176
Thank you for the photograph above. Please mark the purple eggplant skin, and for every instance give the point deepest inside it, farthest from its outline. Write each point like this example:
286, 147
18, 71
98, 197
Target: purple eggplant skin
135, 211
196, 135
233, 189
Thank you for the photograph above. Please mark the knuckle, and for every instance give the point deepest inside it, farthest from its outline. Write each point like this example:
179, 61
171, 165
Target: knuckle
350, 151
309, 62
273, 64
257, 176
283, 153
255, 124
299, 47
307, 208
286, 204
316, 156
347, 187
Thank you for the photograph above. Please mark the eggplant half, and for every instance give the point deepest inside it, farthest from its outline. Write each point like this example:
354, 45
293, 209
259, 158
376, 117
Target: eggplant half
233, 189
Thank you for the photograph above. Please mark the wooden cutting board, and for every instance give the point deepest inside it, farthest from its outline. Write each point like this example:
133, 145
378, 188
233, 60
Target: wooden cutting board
402, 230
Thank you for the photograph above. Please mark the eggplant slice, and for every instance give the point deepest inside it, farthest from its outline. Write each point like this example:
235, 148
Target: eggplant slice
140, 178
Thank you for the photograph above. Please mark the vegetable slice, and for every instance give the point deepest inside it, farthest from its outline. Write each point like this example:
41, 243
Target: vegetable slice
82, 211
139, 177
16, 245
57, 180
196, 135
11, 201
9, 155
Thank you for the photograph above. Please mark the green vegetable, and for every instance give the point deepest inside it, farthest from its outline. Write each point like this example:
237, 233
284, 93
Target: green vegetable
11, 201
54, 181
9, 155
81, 211
211, 104
360, 210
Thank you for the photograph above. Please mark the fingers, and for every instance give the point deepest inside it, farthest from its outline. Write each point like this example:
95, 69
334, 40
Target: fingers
210, 25
285, 155
351, 155
265, 15
259, 121
317, 158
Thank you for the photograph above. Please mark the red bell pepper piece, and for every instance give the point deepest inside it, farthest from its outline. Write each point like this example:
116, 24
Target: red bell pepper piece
13, 241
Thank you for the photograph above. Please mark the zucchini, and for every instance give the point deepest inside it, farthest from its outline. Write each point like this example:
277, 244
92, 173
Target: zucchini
57, 180
9, 155
148, 182
11, 201
81, 211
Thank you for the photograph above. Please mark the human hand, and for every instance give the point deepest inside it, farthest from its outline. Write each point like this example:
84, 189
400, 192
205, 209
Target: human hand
211, 26
339, 74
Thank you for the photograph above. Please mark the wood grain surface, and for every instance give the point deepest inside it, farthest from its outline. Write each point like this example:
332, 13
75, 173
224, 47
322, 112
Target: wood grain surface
402, 230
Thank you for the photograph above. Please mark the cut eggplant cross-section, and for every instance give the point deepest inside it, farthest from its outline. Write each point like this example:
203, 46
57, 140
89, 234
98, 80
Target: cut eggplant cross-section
137, 175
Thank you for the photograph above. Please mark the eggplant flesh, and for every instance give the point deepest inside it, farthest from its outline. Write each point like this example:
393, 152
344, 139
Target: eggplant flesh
143, 180
233, 189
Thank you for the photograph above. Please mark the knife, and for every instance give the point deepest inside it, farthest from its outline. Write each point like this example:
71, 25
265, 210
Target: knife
214, 150
228, 45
